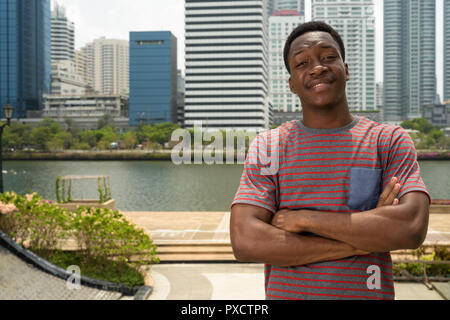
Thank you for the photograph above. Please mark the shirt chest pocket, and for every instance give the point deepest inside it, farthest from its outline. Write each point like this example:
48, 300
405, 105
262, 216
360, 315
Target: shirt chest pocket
365, 188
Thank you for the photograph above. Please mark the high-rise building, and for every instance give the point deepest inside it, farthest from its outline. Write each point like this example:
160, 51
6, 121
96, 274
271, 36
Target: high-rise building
180, 98
275, 5
63, 35
24, 54
153, 77
108, 65
355, 22
409, 58
446, 50
226, 64
281, 24
380, 96
82, 66
65, 80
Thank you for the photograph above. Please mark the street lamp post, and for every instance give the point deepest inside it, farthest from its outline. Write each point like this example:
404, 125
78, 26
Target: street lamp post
8, 110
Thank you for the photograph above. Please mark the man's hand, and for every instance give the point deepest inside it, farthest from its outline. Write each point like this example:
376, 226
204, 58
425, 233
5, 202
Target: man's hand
290, 220
389, 195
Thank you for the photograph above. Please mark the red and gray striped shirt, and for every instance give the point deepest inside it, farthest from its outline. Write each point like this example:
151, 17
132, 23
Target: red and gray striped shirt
341, 170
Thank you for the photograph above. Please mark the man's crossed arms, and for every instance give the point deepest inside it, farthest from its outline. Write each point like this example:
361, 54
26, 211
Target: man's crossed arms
259, 236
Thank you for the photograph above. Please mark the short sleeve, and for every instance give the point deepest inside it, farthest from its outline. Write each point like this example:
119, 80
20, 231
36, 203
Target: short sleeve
400, 160
257, 186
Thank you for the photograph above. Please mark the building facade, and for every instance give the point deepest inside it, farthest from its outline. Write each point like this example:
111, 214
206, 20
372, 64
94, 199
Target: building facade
85, 111
63, 35
24, 54
274, 5
446, 50
409, 58
438, 114
355, 22
65, 80
281, 24
153, 77
226, 64
180, 98
82, 67
108, 65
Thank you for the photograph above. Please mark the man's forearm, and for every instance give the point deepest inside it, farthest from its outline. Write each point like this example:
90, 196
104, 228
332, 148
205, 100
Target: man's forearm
267, 244
381, 229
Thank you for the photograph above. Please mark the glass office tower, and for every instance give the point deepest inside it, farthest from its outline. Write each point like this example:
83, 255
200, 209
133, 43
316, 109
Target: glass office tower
409, 58
153, 77
25, 54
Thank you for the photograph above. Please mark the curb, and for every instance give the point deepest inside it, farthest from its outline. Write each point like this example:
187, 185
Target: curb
139, 293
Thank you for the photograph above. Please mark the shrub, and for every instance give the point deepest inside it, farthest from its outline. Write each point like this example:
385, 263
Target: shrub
36, 224
105, 239
102, 233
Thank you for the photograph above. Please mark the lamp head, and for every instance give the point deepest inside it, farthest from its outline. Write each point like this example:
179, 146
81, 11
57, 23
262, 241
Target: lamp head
8, 110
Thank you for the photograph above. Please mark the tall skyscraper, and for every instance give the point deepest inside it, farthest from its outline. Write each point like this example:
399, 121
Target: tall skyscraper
275, 5
108, 65
281, 24
409, 58
63, 35
354, 21
446, 50
153, 77
226, 64
24, 54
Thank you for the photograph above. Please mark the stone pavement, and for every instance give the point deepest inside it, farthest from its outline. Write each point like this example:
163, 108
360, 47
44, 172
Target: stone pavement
232, 281
22, 281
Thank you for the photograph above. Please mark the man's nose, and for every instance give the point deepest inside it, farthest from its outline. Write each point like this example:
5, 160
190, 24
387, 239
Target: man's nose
318, 69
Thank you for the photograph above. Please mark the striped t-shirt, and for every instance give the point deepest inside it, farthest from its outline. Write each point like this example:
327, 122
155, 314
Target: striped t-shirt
340, 170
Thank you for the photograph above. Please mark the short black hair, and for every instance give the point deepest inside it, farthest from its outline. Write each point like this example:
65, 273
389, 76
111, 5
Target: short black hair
310, 27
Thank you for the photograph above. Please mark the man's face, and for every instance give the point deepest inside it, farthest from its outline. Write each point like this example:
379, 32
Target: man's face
318, 72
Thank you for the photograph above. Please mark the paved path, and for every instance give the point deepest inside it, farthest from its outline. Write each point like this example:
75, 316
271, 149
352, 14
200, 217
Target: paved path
22, 281
237, 282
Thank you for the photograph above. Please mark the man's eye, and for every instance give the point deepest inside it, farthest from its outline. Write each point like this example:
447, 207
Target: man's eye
301, 64
330, 57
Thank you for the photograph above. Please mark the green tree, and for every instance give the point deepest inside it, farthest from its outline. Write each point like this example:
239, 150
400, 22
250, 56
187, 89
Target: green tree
41, 135
17, 135
129, 140
420, 124
107, 136
89, 137
160, 133
106, 121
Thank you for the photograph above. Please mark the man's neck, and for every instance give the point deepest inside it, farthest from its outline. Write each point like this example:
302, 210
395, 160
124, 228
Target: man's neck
326, 118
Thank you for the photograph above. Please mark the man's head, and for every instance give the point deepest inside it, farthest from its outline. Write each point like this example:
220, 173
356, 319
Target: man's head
314, 55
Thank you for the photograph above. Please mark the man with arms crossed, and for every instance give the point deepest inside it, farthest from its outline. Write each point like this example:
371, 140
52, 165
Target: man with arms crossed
320, 223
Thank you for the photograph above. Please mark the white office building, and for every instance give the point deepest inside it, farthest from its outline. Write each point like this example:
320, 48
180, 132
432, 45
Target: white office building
108, 65
281, 24
65, 79
355, 22
62, 35
275, 5
226, 64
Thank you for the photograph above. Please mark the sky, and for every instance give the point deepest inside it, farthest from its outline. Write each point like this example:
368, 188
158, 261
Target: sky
116, 18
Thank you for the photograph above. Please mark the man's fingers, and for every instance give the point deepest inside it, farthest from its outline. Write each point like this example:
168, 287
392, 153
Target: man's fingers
382, 201
393, 195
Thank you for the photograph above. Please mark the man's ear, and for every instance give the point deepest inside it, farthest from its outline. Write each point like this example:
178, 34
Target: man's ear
347, 74
291, 86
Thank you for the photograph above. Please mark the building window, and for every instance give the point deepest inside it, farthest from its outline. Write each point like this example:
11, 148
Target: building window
149, 42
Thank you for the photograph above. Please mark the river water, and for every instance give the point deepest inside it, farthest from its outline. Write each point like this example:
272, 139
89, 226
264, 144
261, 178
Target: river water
162, 186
